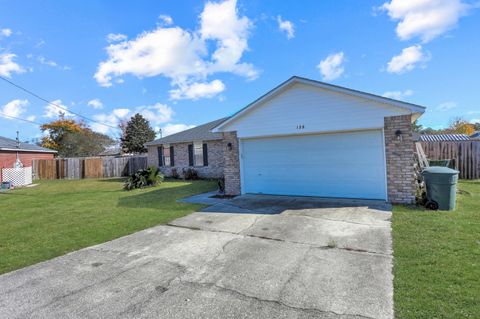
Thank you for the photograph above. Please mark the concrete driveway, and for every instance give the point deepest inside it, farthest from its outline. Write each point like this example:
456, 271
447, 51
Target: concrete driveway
294, 258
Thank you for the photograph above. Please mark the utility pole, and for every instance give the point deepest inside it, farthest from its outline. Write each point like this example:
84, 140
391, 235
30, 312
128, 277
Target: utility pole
17, 161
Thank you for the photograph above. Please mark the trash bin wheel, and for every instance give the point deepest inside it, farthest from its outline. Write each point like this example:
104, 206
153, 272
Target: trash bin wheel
432, 205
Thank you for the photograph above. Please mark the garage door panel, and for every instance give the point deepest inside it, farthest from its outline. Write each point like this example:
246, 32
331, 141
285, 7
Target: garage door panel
333, 165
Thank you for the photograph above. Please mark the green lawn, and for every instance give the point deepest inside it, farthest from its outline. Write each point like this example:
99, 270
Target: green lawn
437, 259
60, 216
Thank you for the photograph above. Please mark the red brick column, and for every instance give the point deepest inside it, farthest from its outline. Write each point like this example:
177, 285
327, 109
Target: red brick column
231, 169
400, 159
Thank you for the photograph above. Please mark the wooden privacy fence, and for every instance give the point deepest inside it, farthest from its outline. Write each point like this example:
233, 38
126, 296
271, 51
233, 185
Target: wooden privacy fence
88, 167
465, 153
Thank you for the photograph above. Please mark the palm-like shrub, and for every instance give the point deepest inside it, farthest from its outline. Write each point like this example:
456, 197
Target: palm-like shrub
143, 178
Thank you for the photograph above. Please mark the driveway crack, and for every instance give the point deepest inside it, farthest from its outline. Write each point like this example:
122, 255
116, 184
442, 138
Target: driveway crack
76, 291
273, 301
350, 249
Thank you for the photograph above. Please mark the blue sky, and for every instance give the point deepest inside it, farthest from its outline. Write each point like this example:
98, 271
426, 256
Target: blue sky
183, 63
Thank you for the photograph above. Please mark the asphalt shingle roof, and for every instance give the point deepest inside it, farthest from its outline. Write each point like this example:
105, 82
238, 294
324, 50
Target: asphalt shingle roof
9, 144
198, 133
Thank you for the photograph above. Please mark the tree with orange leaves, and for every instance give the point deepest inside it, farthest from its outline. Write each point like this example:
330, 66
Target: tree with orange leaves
57, 130
461, 126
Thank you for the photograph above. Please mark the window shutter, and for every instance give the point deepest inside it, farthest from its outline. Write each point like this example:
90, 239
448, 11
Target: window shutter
190, 155
160, 155
172, 157
205, 154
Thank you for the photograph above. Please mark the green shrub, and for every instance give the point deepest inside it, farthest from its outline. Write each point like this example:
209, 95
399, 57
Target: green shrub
221, 184
143, 178
175, 173
190, 174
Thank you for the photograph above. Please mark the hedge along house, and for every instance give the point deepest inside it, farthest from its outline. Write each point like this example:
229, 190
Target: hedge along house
198, 148
309, 138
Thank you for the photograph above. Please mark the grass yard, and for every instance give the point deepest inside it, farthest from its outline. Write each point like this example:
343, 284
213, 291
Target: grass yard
437, 259
60, 216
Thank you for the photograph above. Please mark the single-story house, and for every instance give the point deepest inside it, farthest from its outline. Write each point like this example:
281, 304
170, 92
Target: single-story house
198, 148
304, 138
10, 150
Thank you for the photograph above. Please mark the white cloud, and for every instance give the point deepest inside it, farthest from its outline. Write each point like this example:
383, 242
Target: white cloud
40, 43
171, 52
182, 55
170, 129
14, 108
474, 121
446, 106
406, 61
113, 119
426, 19
332, 66
220, 22
120, 113
286, 26
8, 66
31, 118
194, 91
51, 111
95, 103
157, 113
166, 19
116, 37
6, 32
398, 95
45, 61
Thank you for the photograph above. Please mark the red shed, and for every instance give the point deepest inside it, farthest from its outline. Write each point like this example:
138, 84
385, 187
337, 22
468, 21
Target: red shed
10, 150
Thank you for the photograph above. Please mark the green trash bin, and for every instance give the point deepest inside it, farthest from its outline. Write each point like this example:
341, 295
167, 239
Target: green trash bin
441, 184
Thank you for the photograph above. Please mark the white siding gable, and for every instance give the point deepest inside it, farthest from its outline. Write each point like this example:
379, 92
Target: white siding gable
302, 108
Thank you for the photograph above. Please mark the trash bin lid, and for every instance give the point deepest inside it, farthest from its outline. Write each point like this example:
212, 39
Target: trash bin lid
439, 170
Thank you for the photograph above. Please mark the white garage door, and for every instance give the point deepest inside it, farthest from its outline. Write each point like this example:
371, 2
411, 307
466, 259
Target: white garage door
349, 165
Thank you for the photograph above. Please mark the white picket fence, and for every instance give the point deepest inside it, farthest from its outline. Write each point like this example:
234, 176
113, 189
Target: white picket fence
17, 176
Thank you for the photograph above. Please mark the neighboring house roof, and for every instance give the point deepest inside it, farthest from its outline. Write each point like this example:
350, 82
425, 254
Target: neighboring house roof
111, 151
198, 133
7, 144
475, 135
443, 137
413, 108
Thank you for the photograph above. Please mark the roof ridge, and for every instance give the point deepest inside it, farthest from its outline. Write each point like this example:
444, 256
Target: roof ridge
200, 132
414, 108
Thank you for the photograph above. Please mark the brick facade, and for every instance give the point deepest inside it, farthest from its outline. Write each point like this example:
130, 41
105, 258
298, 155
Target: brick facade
8, 158
400, 159
226, 163
215, 159
231, 169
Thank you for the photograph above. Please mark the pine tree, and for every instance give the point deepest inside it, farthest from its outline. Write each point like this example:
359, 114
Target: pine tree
136, 133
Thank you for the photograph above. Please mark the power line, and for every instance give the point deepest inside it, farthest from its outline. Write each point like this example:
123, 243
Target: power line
18, 118
54, 104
